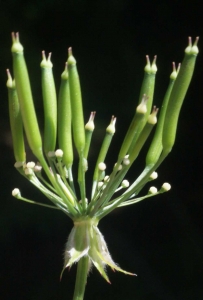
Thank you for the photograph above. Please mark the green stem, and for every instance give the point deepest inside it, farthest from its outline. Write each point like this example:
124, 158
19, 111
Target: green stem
81, 278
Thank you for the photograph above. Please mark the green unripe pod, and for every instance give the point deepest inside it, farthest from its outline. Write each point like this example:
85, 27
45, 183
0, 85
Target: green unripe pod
156, 145
49, 100
135, 149
140, 118
147, 87
25, 97
89, 128
110, 130
177, 96
76, 104
90, 124
64, 119
15, 121
132, 133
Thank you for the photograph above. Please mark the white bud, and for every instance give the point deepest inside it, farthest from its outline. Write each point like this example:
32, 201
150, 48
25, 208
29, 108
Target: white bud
100, 183
126, 161
59, 153
166, 186
16, 192
125, 183
37, 168
30, 164
153, 190
102, 166
28, 171
154, 175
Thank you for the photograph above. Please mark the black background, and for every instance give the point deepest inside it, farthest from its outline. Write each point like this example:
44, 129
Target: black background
159, 239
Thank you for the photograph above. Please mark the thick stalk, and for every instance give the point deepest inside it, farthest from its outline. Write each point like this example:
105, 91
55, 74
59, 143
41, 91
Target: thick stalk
81, 278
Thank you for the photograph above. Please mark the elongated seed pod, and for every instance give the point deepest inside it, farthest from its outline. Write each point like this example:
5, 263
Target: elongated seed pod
49, 100
76, 104
25, 97
110, 130
64, 119
89, 128
177, 96
147, 87
133, 129
15, 121
156, 145
152, 120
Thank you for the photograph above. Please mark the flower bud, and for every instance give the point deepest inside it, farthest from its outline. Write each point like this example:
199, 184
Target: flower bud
28, 171
102, 166
165, 187
153, 176
125, 183
30, 164
16, 193
126, 160
59, 153
152, 190
100, 184
37, 169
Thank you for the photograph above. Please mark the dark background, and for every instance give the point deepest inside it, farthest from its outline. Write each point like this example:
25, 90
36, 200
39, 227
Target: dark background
159, 239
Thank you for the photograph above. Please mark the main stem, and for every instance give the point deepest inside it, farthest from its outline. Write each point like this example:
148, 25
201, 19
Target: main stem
81, 278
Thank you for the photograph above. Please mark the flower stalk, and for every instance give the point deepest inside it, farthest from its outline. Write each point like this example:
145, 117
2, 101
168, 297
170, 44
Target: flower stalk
110, 189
